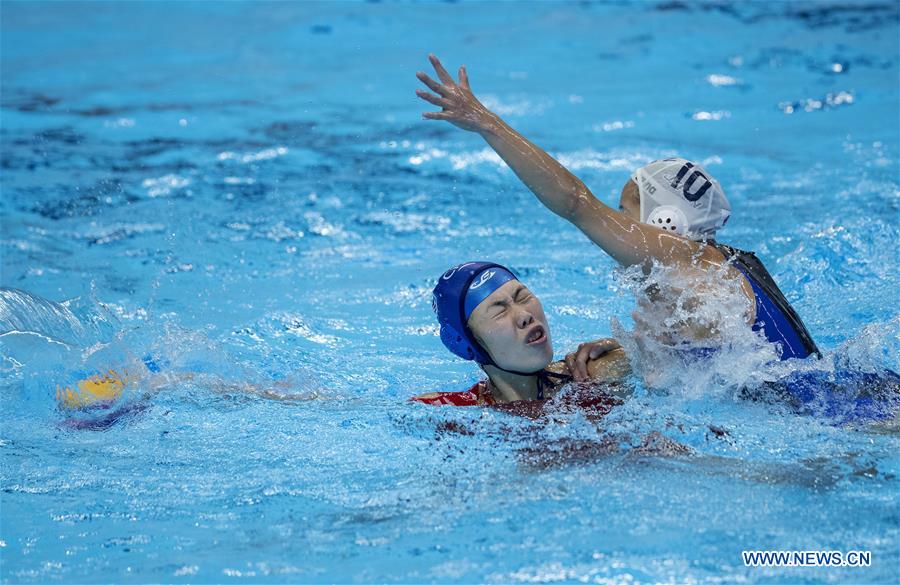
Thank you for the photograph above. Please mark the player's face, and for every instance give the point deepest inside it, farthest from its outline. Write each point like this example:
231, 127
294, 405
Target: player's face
510, 324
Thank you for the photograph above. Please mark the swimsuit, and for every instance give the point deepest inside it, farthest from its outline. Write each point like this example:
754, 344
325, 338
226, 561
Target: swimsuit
477, 395
775, 316
843, 395
591, 401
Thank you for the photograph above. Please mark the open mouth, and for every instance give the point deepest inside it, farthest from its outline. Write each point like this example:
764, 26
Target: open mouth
536, 336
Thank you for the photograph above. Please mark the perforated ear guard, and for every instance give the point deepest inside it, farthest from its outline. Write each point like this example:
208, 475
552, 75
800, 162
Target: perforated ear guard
669, 218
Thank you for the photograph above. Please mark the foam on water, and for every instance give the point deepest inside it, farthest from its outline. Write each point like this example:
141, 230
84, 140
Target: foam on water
676, 326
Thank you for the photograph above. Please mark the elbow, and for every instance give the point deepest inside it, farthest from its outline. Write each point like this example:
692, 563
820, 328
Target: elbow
577, 204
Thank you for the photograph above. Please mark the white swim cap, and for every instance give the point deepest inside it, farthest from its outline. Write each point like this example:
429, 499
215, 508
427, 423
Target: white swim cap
679, 195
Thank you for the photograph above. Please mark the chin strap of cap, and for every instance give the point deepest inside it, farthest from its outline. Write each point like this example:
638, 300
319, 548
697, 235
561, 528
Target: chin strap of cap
545, 378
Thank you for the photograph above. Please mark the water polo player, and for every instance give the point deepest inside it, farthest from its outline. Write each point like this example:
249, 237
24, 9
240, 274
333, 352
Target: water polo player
92, 398
669, 213
488, 316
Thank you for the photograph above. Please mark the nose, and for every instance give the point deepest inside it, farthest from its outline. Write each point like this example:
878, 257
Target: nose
524, 319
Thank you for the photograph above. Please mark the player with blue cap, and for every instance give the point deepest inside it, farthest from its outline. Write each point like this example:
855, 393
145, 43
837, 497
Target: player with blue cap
488, 316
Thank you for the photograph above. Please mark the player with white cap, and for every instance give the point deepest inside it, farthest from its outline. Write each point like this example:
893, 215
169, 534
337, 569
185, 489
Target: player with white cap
680, 196
669, 213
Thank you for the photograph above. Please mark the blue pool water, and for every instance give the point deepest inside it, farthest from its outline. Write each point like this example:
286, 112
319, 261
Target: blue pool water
248, 192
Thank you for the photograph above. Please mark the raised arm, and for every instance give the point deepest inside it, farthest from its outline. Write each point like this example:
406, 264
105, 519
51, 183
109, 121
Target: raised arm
627, 240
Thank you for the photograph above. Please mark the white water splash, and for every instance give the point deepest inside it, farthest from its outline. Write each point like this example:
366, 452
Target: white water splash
691, 333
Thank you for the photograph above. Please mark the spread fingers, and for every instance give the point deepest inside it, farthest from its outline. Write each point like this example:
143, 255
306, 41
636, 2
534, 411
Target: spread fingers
432, 99
442, 73
432, 84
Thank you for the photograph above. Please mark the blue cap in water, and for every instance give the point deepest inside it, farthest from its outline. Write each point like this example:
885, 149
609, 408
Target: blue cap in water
458, 292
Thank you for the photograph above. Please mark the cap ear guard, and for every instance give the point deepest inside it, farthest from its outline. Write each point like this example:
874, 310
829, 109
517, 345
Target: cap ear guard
669, 218
458, 343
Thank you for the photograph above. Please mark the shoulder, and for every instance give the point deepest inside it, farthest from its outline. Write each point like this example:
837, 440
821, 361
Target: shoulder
725, 253
477, 395
728, 257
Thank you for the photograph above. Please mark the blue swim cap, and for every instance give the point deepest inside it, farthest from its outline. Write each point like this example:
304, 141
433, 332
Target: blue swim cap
458, 292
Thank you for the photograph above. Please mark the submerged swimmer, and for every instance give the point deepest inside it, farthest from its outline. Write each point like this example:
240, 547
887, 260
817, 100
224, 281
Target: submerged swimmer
100, 401
92, 398
668, 215
490, 317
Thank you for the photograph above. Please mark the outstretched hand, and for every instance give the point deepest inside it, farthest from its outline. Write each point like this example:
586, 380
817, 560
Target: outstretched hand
458, 104
577, 361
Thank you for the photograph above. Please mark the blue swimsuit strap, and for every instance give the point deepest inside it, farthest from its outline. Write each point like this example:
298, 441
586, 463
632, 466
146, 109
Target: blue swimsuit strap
774, 314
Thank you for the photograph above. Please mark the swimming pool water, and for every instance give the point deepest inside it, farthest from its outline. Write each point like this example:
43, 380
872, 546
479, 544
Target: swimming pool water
247, 191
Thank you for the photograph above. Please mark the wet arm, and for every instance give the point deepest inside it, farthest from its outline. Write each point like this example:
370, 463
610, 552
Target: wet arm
628, 241
553, 184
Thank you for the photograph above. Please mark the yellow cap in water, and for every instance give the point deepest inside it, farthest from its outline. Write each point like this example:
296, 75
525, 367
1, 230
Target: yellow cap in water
91, 390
